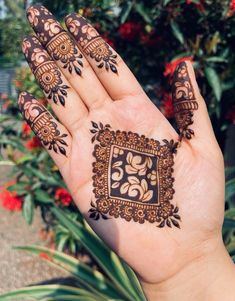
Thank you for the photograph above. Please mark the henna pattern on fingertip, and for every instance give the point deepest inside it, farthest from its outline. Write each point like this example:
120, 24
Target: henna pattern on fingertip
91, 42
132, 177
45, 70
184, 101
55, 39
42, 123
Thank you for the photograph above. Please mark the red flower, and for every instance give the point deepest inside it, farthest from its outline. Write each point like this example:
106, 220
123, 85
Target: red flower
45, 256
231, 9
170, 67
108, 40
199, 6
167, 105
10, 201
130, 30
231, 115
232, 5
25, 129
150, 40
5, 101
18, 83
33, 143
63, 196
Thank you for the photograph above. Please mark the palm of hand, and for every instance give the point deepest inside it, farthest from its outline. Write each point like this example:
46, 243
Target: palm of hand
197, 172
154, 253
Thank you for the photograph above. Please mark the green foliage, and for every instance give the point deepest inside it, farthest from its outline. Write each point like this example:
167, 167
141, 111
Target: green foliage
114, 280
161, 32
12, 29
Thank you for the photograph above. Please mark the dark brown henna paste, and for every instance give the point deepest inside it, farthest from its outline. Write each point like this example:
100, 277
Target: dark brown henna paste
55, 39
45, 70
184, 101
91, 42
42, 123
133, 177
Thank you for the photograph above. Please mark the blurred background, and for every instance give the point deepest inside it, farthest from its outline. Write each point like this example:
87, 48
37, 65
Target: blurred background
152, 37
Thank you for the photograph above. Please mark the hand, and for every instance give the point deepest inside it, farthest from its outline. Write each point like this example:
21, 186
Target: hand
156, 202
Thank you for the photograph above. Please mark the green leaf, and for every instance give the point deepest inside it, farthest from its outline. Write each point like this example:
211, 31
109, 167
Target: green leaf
229, 171
144, 13
214, 82
230, 189
4, 118
216, 59
165, 2
228, 85
71, 298
229, 223
7, 163
42, 196
126, 11
13, 142
177, 32
231, 248
62, 242
28, 209
107, 260
19, 187
43, 291
89, 278
230, 213
134, 280
27, 157
44, 177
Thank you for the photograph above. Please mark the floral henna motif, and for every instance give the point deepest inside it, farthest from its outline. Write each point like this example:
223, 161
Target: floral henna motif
55, 39
62, 49
45, 70
91, 42
42, 123
133, 177
184, 101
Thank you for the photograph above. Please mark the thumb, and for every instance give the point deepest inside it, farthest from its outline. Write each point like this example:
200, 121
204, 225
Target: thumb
190, 110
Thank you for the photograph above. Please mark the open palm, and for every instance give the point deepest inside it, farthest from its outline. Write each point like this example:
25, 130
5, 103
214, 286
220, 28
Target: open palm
159, 205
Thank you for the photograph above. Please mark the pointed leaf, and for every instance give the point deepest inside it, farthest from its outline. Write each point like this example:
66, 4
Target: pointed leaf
214, 82
177, 32
28, 209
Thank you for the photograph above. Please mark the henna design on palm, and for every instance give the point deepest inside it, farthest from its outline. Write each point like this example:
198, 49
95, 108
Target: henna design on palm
91, 42
55, 39
133, 177
45, 70
42, 124
184, 101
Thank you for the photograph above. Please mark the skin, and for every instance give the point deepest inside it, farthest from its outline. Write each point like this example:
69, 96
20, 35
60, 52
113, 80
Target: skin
190, 263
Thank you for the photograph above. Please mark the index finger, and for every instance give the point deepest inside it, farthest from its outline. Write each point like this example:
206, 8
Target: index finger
109, 67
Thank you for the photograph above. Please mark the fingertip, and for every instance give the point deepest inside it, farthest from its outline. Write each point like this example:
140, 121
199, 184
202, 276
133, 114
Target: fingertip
184, 97
72, 15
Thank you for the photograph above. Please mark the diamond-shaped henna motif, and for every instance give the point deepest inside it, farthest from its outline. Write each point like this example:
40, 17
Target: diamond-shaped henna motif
132, 177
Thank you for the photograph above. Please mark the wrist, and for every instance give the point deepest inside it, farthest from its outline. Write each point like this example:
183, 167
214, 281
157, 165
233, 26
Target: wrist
210, 277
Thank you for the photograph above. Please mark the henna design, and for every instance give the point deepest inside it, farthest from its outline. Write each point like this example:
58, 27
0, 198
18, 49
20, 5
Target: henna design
91, 42
184, 101
133, 177
42, 123
55, 39
45, 70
